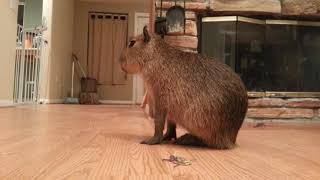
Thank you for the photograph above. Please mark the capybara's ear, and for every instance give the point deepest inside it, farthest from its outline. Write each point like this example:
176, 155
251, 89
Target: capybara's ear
146, 35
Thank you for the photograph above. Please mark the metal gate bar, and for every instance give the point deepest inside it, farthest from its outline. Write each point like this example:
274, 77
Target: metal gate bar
27, 65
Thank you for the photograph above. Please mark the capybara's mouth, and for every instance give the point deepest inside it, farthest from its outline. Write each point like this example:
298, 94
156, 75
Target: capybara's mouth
123, 69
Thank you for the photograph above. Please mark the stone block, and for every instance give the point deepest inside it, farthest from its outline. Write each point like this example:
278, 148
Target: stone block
301, 7
197, 5
304, 103
189, 42
257, 6
280, 113
188, 50
266, 102
191, 15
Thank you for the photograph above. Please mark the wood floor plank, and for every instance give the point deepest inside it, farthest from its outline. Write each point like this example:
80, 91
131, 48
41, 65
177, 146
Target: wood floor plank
102, 142
43, 159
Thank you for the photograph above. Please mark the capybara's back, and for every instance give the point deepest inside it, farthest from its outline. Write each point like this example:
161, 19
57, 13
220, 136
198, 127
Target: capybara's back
209, 99
198, 93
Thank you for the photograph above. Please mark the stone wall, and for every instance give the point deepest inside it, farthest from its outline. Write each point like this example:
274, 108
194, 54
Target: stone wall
282, 110
249, 6
259, 7
277, 109
301, 7
186, 40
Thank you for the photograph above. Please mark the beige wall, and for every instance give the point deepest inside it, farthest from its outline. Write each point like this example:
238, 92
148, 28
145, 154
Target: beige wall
60, 16
8, 19
80, 39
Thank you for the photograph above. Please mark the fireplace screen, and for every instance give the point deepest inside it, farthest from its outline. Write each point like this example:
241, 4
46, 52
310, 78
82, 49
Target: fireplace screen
271, 55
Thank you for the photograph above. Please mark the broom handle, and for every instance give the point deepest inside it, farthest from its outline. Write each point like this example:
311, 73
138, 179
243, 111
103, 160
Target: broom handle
72, 79
83, 73
75, 58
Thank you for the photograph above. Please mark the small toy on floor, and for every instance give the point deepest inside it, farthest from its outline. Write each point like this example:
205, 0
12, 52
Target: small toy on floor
178, 161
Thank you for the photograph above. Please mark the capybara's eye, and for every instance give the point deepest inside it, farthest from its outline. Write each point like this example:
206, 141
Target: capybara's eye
132, 42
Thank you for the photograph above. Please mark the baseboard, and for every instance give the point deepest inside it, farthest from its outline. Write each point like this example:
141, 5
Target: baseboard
116, 102
6, 103
61, 101
52, 101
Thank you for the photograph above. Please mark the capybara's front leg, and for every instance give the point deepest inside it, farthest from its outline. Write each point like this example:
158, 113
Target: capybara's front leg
171, 131
159, 114
145, 100
151, 106
159, 122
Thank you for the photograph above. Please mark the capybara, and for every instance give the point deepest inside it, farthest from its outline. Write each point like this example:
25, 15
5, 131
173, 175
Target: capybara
198, 93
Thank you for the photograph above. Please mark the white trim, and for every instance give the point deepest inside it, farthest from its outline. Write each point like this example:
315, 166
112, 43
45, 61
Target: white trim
51, 101
251, 20
6, 103
61, 101
116, 102
13, 4
219, 19
258, 21
291, 22
135, 77
136, 16
233, 18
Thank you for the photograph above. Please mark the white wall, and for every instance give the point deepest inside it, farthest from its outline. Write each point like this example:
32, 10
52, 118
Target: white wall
67, 32
59, 15
80, 40
8, 19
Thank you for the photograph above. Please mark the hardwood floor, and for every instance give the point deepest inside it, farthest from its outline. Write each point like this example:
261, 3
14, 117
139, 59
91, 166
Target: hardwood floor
102, 142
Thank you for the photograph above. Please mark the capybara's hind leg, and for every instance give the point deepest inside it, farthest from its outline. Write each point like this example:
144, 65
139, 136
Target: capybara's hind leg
171, 132
190, 140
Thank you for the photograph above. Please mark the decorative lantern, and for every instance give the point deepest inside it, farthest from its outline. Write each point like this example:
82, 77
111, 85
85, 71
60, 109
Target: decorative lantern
173, 22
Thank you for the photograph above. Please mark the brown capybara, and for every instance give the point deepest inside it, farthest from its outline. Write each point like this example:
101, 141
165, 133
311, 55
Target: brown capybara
202, 95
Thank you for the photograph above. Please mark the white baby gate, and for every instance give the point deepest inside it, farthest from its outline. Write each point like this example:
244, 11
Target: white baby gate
27, 65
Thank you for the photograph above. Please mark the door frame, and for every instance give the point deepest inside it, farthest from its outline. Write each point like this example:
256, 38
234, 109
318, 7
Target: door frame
136, 87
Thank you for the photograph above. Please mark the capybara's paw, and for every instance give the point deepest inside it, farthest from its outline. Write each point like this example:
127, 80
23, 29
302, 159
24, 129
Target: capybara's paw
169, 136
152, 141
143, 106
190, 140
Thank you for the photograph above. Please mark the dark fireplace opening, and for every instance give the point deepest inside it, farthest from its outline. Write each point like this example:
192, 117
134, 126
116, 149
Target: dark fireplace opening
269, 55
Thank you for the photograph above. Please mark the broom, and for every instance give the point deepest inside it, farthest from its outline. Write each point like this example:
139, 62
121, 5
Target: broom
73, 100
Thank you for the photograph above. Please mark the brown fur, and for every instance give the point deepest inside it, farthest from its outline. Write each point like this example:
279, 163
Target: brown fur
198, 93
